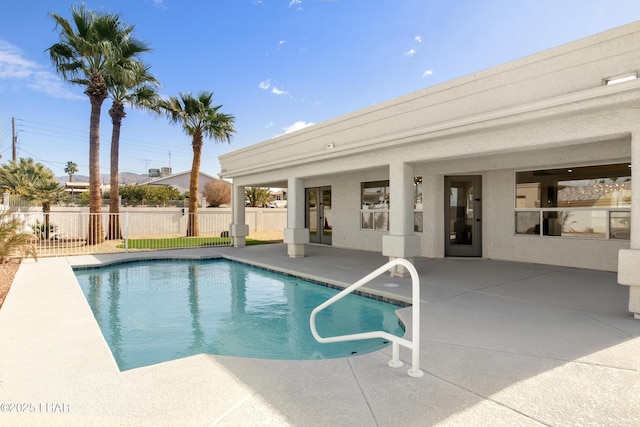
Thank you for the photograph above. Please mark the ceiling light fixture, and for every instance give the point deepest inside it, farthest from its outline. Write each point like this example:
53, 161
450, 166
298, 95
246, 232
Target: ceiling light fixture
620, 79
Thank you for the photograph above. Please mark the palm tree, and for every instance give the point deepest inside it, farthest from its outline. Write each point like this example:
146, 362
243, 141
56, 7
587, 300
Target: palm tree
35, 182
85, 56
257, 196
47, 192
17, 176
70, 169
133, 84
199, 118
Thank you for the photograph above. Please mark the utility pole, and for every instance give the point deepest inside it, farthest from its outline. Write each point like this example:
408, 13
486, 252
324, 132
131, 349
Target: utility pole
14, 139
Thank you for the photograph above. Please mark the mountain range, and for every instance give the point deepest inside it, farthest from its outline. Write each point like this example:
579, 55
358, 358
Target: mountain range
125, 178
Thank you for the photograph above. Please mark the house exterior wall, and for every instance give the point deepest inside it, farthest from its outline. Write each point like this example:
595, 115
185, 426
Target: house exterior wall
498, 217
551, 85
551, 109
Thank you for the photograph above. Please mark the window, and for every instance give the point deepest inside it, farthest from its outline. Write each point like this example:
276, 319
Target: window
417, 204
374, 213
375, 206
587, 201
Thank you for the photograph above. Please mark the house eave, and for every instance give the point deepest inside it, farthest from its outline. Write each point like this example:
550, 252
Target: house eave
616, 97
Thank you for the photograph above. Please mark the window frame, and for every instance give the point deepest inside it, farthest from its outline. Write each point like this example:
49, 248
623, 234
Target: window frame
378, 217
555, 213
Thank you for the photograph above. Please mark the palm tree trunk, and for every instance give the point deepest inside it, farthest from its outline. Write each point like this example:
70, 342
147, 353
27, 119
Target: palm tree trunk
46, 210
193, 228
96, 232
113, 229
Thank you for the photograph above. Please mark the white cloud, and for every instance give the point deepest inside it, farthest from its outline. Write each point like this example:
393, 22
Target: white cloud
297, 126
13, 66
265, 84
281, 42
294, 2
48, 83
159, 4
418, 39
427, 73
277, 91
410, 52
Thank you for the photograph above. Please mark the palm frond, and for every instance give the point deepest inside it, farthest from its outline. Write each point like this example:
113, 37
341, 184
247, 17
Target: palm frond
198, 115
13, 241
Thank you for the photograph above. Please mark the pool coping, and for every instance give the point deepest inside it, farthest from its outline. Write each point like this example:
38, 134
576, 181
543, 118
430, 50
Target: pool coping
374, 294
128, 261
76, 381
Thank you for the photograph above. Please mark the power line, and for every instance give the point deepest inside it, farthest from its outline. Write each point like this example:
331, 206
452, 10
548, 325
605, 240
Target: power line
76, 134
53, 126
4, 131
54, 136
152, 152
62, 165
43, 161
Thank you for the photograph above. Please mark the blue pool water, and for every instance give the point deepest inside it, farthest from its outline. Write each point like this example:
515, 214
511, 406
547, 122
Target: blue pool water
156, 311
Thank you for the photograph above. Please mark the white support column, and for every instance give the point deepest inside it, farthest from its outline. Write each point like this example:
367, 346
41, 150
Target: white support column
433, 212
401, 242
629, 259
296, 235
238, 230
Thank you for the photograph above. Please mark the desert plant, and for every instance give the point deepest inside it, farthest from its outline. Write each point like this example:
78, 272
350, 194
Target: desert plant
257, 196
12, 240
217, 193
33, 181
43, 231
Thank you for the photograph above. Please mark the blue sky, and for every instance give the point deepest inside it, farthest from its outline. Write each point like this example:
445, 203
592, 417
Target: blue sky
276, 65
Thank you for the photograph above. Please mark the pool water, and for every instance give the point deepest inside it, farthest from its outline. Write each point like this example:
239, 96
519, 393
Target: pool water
156, 311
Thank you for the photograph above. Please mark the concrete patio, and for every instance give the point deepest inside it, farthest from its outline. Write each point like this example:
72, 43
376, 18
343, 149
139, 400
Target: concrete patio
502, 344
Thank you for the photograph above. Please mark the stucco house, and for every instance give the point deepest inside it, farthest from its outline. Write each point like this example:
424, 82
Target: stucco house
530, 161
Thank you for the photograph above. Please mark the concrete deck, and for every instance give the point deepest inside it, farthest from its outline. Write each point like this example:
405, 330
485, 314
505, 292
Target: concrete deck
502, 344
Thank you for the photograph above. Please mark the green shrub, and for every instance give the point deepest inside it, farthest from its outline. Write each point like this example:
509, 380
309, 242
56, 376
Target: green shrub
12, 240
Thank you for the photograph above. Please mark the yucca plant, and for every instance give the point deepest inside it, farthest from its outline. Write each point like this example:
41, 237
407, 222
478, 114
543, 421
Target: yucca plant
42, 231
13, 241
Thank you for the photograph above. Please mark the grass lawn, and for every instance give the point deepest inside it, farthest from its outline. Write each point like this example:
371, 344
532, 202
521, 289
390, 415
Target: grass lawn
186, 242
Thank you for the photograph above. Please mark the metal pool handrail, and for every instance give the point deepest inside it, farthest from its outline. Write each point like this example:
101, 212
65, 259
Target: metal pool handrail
413, 345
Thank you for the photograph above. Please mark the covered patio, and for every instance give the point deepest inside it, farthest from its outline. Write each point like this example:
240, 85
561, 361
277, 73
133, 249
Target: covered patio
487, 165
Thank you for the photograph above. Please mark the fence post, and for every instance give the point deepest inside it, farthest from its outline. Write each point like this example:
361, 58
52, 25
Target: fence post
126, 232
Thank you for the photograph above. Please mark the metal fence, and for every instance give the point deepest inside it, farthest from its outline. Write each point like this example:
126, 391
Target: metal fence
68, 233
18, 201
21, 201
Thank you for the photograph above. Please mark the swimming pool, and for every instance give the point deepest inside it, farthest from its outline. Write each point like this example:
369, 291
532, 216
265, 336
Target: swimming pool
155, 311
